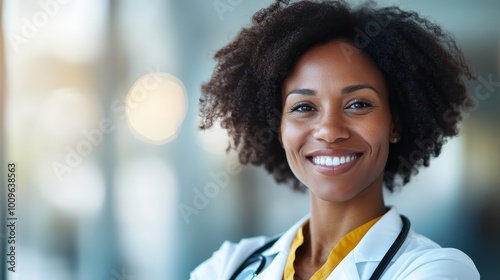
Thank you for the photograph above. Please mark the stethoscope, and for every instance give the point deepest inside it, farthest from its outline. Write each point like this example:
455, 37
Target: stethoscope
257, 256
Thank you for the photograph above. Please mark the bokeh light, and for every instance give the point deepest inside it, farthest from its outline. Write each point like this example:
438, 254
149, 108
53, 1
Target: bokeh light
156, 106
81, 192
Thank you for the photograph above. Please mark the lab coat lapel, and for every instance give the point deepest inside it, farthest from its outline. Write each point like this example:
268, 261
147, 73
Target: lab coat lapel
377, 241
364, 258
358, 264
280, 250
346, 270
275, 269
379, 238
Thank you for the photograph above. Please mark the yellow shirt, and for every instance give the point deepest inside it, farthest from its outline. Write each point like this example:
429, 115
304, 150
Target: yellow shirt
345, 245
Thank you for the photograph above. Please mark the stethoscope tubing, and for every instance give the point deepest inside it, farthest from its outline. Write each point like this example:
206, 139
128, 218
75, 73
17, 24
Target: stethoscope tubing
250, 259
384, 263
379, 270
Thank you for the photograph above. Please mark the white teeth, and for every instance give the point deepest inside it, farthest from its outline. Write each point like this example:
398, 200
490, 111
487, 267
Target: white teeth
333, 161
336, 161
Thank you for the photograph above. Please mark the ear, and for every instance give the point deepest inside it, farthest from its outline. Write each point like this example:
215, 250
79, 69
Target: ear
395, 134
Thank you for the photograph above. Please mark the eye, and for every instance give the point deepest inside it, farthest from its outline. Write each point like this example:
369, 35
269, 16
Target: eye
359, 104
301, 107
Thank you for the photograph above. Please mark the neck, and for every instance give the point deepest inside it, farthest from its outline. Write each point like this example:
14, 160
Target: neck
331, 221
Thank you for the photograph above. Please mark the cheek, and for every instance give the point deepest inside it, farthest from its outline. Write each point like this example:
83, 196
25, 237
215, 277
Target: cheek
376, 135
293, 139
291, 134
378, 126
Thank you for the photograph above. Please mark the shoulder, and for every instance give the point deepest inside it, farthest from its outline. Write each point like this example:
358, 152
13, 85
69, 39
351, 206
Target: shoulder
424, 259
231, 255
228, 255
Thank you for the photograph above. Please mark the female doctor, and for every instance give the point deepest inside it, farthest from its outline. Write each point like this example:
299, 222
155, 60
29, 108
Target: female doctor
358, 98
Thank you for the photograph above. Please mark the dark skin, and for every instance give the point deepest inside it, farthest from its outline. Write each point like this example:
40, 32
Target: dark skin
336, 130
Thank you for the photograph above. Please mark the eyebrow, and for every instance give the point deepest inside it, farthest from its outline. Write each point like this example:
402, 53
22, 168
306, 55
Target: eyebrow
353, 88
303, 91
344, 91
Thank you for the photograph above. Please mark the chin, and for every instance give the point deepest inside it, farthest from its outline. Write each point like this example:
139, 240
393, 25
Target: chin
335, 193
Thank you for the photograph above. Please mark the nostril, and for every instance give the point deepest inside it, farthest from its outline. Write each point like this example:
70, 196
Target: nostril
331, 133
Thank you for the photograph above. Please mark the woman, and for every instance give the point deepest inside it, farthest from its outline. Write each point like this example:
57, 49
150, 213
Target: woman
357, 99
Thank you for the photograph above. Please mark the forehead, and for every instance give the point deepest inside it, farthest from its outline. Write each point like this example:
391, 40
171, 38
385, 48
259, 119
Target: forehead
336, 63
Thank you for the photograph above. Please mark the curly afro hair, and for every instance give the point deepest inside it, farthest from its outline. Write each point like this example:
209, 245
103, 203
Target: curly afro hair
421, 64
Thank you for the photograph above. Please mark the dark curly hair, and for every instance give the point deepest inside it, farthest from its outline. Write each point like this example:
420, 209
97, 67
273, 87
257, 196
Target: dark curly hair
421, 64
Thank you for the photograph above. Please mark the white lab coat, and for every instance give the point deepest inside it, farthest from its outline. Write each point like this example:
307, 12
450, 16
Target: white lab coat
418, 258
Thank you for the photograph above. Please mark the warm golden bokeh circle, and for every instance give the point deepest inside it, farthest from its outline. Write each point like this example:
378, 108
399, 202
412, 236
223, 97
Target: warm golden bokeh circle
156, 107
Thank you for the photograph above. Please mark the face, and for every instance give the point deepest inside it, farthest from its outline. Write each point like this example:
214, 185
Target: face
336, 125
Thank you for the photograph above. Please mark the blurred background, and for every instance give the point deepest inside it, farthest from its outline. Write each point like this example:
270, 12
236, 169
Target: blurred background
99, 104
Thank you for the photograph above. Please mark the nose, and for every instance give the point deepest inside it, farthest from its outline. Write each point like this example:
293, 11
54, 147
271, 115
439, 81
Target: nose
331, 127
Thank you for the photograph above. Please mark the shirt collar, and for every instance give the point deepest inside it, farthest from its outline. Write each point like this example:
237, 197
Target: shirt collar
372, 247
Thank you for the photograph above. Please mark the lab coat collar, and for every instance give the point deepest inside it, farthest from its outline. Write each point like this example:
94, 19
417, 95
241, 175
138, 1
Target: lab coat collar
372, 247
279, 252
284, 243
379, 238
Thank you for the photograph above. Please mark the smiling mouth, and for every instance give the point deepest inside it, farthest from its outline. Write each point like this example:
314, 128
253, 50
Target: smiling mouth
334, 161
